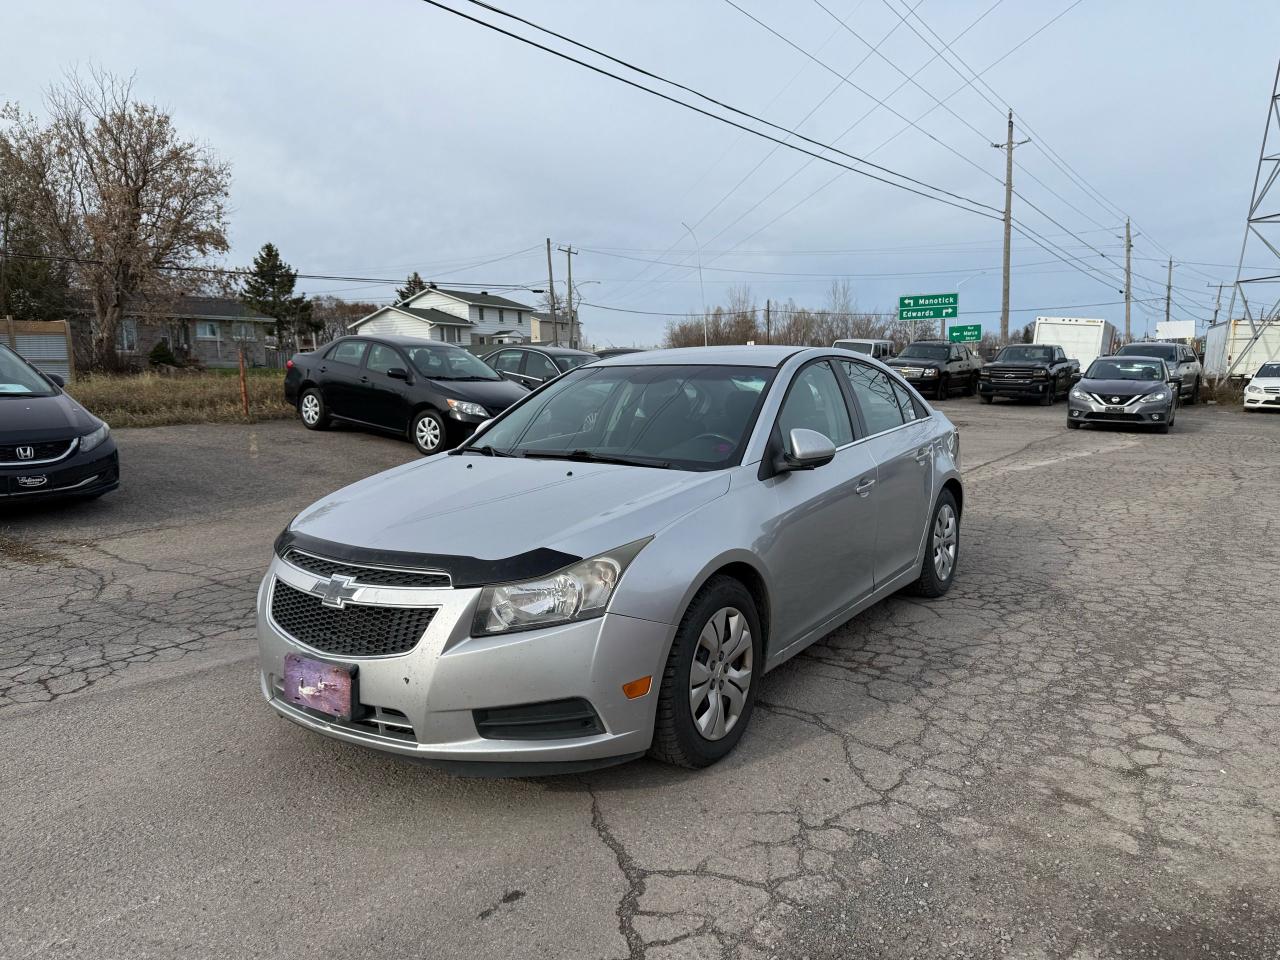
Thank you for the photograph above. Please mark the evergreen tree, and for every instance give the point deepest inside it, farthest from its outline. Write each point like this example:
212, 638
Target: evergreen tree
269, 290
412, 284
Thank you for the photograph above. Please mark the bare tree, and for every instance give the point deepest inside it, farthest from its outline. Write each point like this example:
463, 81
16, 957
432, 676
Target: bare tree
113, 187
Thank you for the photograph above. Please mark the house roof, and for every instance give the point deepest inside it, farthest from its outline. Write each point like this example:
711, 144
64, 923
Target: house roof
560, 318
432, 315
481, 299
186, 308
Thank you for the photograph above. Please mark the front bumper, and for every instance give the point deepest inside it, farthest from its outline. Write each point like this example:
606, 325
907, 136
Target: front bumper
81, 474
1138, 412
1262, 401
422, 703
994, 387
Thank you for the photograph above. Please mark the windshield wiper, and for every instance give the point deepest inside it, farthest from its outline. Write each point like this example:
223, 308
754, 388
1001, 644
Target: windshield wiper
589, 456
485, 450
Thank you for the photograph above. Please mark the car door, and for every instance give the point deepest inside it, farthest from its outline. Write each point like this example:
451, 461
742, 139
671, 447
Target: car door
507, 363
387, 398
820, 545
899, 435
538, 369
341, 372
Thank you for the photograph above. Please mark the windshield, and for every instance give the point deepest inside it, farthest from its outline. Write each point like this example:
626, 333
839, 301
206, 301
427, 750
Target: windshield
857, 346
18, 378
926, 351
449, 363
1268, 370
1165, 351
1111, 368
690, 418
1025, 353
568, 361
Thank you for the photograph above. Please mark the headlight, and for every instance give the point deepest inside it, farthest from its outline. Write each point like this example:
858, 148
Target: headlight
930, 371
94, 439
1153, 396
1041, 373
579, 592
984, 373
1079, 395
470, 409
1252, 388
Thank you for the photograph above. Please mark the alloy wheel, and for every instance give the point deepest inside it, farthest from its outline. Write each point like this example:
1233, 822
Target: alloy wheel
945, 538
310, 408
427, 433
720, 674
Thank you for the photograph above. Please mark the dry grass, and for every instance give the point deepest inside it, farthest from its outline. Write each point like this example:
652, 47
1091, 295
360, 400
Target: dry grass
155, 400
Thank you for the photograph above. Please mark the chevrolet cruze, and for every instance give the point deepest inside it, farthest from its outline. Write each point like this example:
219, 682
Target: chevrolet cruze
610, 566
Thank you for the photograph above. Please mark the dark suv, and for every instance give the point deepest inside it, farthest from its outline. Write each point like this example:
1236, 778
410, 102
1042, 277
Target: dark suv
938, 369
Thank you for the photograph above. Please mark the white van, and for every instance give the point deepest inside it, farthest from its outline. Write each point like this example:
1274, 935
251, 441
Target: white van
880, 349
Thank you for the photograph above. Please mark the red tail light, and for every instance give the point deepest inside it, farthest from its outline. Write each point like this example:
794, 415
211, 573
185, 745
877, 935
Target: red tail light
288, 364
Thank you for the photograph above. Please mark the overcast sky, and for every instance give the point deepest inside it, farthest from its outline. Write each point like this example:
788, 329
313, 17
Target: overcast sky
372, 138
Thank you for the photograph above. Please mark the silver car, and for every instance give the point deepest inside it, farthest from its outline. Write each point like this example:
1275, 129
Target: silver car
1136, 390
610, 566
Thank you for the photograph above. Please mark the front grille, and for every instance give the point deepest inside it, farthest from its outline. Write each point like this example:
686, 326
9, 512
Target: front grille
1272, 389
370, 576
354, 630
553, 720
1115, 399
1023, 373
49, 450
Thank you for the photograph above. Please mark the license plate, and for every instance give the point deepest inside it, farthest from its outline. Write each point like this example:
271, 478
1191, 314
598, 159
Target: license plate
325, 687
1115, 409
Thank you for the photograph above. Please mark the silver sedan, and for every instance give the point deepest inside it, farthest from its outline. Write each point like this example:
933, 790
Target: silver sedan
610, 566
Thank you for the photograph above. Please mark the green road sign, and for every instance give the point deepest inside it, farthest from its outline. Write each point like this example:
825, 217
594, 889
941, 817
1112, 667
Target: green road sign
965, 333
929, 306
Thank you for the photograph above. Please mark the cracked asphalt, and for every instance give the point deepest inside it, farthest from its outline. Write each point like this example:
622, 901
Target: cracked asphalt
1075, 754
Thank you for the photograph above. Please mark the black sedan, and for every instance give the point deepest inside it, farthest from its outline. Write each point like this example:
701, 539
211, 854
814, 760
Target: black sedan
50, 446
534, 366
433, 393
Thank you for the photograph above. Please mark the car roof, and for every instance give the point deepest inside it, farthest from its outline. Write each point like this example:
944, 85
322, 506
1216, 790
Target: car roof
554, 351
400, 340
1132, 356
737, 355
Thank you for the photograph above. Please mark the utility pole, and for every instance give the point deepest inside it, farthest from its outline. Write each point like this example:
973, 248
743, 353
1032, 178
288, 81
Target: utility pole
569, 253
1007, 147
551, 295
768, 321
1168, 293
1128, 279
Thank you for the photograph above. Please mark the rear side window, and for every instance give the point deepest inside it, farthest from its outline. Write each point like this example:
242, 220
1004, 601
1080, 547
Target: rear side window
908, 406
348, 351
815, 402
877, 397
508, 361
536, 365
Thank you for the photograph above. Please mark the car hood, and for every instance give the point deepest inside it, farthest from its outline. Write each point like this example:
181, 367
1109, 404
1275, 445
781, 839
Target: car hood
1265, 382
914, 362
43, 418
495, 508
1124, 388
494, 395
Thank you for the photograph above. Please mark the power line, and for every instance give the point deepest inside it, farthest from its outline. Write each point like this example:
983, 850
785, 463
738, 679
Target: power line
866, 313
973, 206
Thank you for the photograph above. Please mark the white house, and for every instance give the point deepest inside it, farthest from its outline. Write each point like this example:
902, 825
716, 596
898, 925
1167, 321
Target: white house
454, 316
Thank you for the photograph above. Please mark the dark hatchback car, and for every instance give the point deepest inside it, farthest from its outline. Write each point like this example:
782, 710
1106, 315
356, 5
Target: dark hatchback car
534, 366
433, 393
50, 446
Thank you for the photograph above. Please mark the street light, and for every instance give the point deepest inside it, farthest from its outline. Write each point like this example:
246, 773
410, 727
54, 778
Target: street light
701, 291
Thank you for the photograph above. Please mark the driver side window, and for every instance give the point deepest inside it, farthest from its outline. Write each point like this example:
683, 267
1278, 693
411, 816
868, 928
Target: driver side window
816, 402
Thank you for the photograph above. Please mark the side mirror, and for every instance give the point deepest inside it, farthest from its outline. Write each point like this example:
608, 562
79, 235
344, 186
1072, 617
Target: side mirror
1076, 375
808, 449
483, 425
56, 379
398, 373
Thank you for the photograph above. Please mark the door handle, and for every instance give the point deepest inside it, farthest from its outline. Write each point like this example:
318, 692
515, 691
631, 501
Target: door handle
863, 489
323, 369
924, 455
364, 379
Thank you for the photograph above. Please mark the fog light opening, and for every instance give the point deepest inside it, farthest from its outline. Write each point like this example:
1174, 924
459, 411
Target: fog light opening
637, 688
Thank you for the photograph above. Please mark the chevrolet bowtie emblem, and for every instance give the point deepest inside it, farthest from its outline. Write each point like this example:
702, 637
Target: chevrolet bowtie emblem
335, 592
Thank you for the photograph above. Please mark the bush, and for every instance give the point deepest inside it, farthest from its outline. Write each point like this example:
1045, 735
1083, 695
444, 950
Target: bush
152, 399
161, 354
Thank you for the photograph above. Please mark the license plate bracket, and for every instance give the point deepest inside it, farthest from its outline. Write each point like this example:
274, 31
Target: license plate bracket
1111, 409
328, 688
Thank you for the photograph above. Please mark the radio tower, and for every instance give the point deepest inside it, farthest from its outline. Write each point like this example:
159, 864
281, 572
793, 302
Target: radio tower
1257, 287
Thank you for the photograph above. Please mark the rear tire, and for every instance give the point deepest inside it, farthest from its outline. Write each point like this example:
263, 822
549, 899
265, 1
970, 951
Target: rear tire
688, 730
311, 408
427, 432
942, 549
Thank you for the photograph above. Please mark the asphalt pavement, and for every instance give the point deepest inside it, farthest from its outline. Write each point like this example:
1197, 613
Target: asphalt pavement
1074, 754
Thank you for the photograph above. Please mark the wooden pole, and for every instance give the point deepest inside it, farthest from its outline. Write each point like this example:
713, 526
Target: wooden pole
244, 386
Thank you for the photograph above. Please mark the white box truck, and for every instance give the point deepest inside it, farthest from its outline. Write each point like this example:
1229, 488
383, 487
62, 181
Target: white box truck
1227, 344
1081, 338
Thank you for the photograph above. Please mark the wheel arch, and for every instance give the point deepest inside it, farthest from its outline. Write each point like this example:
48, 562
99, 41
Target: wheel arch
954, 487
746, 573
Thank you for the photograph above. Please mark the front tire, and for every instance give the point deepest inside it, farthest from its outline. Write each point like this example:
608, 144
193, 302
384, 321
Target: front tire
1050, 396
1195, 394
942, 549
311, 408
709, 682
427, 431
972, 388
944, 388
